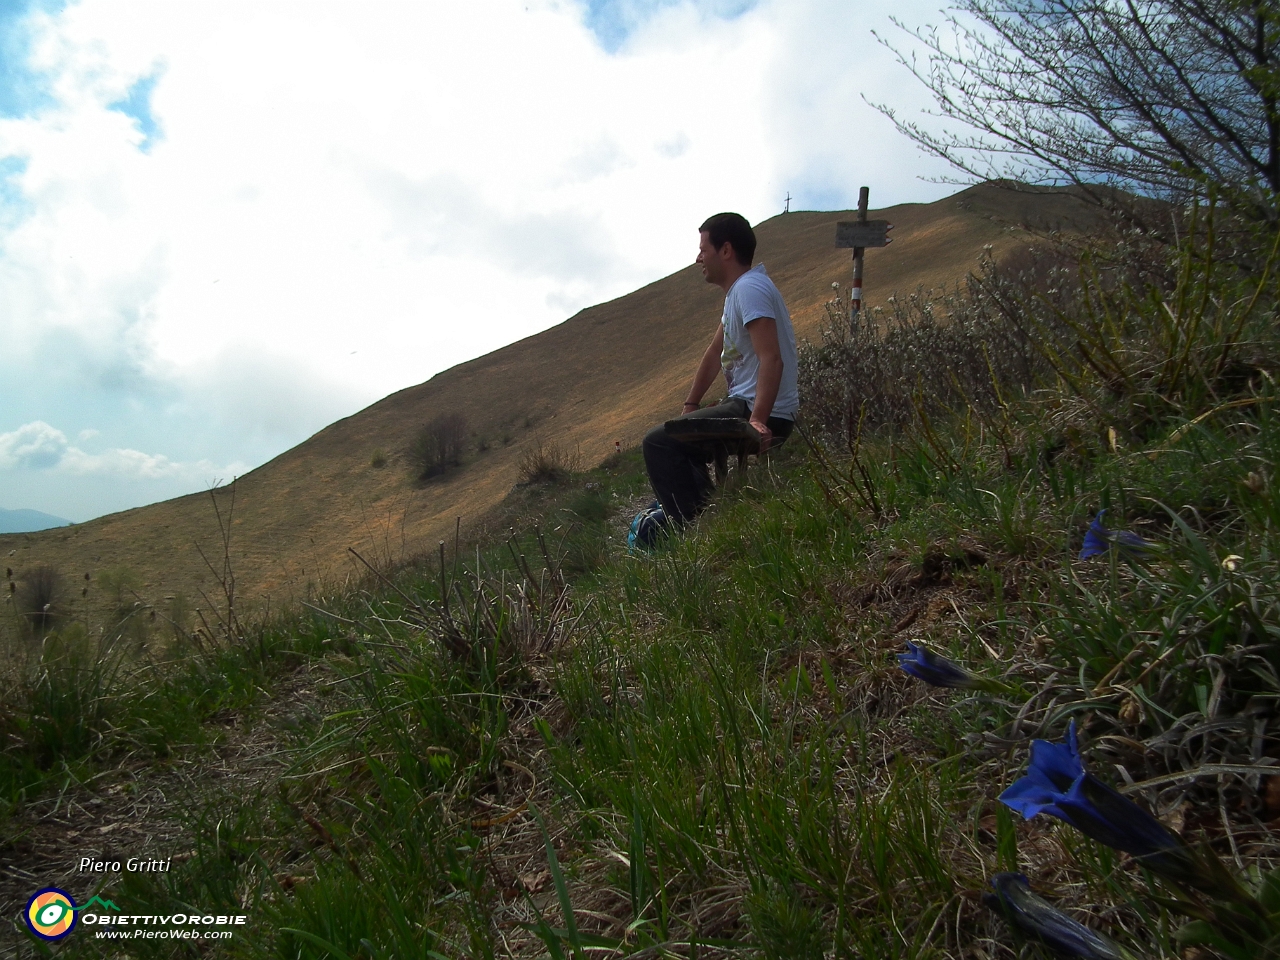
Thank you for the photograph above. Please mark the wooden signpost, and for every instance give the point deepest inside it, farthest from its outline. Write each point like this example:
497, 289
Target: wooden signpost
860, 234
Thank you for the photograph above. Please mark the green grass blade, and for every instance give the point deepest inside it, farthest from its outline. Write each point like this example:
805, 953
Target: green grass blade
562, 890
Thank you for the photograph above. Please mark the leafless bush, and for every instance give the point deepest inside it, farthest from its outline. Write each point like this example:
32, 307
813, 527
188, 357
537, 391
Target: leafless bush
228, 623
547, 462
1145, 329
121, 586
439, 445
37, 598
934, 351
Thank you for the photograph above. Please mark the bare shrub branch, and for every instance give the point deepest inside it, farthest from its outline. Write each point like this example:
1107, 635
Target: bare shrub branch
1163, 98
37, 598
438, 446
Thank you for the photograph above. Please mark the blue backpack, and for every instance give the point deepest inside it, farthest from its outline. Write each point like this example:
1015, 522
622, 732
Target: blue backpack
646, 528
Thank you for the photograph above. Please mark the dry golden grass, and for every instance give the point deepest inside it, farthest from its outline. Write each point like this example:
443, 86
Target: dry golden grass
604, 375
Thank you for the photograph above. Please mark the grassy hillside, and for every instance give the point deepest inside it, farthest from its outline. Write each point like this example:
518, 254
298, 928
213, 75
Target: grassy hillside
602, 376
547, 746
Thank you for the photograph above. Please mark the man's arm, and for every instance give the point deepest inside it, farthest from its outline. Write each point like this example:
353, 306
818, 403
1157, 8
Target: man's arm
764, 341
707, 370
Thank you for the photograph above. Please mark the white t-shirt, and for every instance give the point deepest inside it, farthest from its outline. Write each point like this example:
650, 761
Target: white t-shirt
751, 297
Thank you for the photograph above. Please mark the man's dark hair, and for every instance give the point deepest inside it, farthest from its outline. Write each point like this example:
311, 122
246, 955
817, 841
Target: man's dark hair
732, 228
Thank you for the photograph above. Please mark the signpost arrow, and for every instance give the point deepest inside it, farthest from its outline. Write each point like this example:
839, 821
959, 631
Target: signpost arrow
872, 233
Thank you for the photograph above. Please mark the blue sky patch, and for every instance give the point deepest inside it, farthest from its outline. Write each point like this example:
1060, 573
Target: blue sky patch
809, 196
613, 21
22, 90
136, 104
14, 204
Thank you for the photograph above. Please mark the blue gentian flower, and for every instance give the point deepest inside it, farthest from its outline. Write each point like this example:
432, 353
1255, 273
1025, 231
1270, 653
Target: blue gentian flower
1037, 917
923, 664
1057, 784
1098, 539
933, 668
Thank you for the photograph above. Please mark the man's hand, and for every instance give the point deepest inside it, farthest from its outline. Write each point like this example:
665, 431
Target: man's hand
766, 435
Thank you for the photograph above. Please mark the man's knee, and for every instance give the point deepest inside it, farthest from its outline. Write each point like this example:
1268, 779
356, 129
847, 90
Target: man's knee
655, 438
656, 447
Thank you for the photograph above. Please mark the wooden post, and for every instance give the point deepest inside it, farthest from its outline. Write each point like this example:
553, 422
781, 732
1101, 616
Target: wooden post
860, 234
855, 294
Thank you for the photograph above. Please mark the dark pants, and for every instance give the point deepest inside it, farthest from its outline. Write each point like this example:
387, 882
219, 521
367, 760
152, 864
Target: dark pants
678, 472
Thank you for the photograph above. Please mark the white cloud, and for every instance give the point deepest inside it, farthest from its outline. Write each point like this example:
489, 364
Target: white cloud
33, 445
323, 203
132, 463
37, 446
144, 466
674, 147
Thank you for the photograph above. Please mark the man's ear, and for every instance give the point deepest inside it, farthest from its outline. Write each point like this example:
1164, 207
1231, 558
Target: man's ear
727, 245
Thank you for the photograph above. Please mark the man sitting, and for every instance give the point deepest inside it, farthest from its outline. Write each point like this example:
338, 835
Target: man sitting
753, 345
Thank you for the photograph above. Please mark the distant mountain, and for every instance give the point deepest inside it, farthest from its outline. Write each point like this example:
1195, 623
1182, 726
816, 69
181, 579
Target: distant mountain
28, 521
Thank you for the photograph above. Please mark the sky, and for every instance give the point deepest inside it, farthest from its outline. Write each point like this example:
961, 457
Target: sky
225, 225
